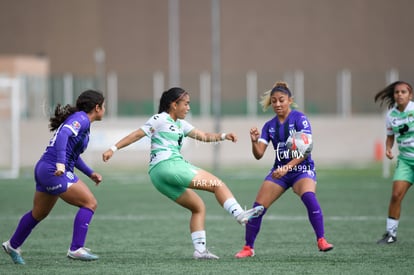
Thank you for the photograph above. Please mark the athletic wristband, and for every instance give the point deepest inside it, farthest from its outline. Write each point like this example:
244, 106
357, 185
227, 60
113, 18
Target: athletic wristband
114, 148
223, 136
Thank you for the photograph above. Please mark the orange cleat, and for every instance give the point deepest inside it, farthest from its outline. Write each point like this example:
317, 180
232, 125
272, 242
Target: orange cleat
247, 251
323, 245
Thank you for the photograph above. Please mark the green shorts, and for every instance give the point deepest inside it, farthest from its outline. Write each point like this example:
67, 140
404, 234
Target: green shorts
172, 177
404, 171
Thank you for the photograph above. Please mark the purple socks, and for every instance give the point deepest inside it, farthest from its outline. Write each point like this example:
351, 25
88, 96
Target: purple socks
253, 228
23, 230
80, 228
314, 213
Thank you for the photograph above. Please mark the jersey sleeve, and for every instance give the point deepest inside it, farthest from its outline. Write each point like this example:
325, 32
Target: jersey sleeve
151, 125
388, 127
75, 123
265, 135
302, 124
186, 127
83, 167
60, 143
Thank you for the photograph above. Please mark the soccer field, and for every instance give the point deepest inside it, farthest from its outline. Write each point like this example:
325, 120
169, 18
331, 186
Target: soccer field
136, 230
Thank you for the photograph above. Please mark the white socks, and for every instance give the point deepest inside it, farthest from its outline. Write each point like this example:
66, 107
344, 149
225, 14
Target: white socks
233, 207
392, 226
199, 240
199, 237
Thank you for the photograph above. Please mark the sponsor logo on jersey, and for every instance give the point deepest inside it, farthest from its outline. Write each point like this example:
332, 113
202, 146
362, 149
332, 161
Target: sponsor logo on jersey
76, 125
54, 187
70, 175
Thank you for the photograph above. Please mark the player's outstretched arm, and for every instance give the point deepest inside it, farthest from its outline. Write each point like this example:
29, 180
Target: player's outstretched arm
125, 141
211, 137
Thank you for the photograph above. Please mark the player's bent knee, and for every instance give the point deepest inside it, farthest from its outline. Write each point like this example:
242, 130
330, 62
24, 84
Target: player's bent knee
92, 204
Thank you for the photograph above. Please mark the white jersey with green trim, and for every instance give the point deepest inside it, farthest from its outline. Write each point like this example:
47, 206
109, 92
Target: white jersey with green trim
401, 124
166, 137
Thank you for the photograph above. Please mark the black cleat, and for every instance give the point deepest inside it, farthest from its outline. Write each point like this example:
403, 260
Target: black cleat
387, 239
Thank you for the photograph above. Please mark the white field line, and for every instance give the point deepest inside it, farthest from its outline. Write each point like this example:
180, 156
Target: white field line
185, 217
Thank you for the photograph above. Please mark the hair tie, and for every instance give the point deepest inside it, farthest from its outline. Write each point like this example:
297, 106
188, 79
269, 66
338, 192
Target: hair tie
282, 89
181, 96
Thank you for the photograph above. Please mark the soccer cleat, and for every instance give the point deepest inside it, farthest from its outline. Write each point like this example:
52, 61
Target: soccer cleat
207, 255
324, 246
83, 254
245, 216
387, 238
15, 254
247, 251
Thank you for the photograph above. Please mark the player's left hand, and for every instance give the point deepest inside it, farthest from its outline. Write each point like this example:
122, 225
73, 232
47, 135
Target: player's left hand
97, 178
389, 154
231, 136
279, 172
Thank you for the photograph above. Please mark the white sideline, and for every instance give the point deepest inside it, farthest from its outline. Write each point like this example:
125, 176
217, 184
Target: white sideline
209, 217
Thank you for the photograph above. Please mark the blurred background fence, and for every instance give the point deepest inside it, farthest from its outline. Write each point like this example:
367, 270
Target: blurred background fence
348, 127
343, 93
334, 54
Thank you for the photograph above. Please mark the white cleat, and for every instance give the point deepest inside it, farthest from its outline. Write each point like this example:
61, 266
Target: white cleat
207, 255
15, 254
83, 254
244, 217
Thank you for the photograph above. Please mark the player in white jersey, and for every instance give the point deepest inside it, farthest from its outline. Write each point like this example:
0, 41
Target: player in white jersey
400, 127
173, 176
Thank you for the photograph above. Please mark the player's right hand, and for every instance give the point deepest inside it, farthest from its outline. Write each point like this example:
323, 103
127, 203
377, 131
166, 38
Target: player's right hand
254, 134
107, 155
388, 154
60, 169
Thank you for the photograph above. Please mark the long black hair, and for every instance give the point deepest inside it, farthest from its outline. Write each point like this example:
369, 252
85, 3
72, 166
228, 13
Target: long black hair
387, 94
86, 102
170, 96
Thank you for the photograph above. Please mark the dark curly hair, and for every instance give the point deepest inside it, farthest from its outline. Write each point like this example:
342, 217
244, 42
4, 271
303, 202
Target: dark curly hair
86, 102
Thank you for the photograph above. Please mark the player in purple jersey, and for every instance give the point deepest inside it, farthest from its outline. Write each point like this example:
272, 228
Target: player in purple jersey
287, 172
55, 177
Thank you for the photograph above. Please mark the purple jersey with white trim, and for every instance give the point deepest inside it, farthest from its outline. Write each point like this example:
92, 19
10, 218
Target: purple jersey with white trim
277, 133
78, 125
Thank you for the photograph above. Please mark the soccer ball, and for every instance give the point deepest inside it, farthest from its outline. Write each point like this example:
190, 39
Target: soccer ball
299, 144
